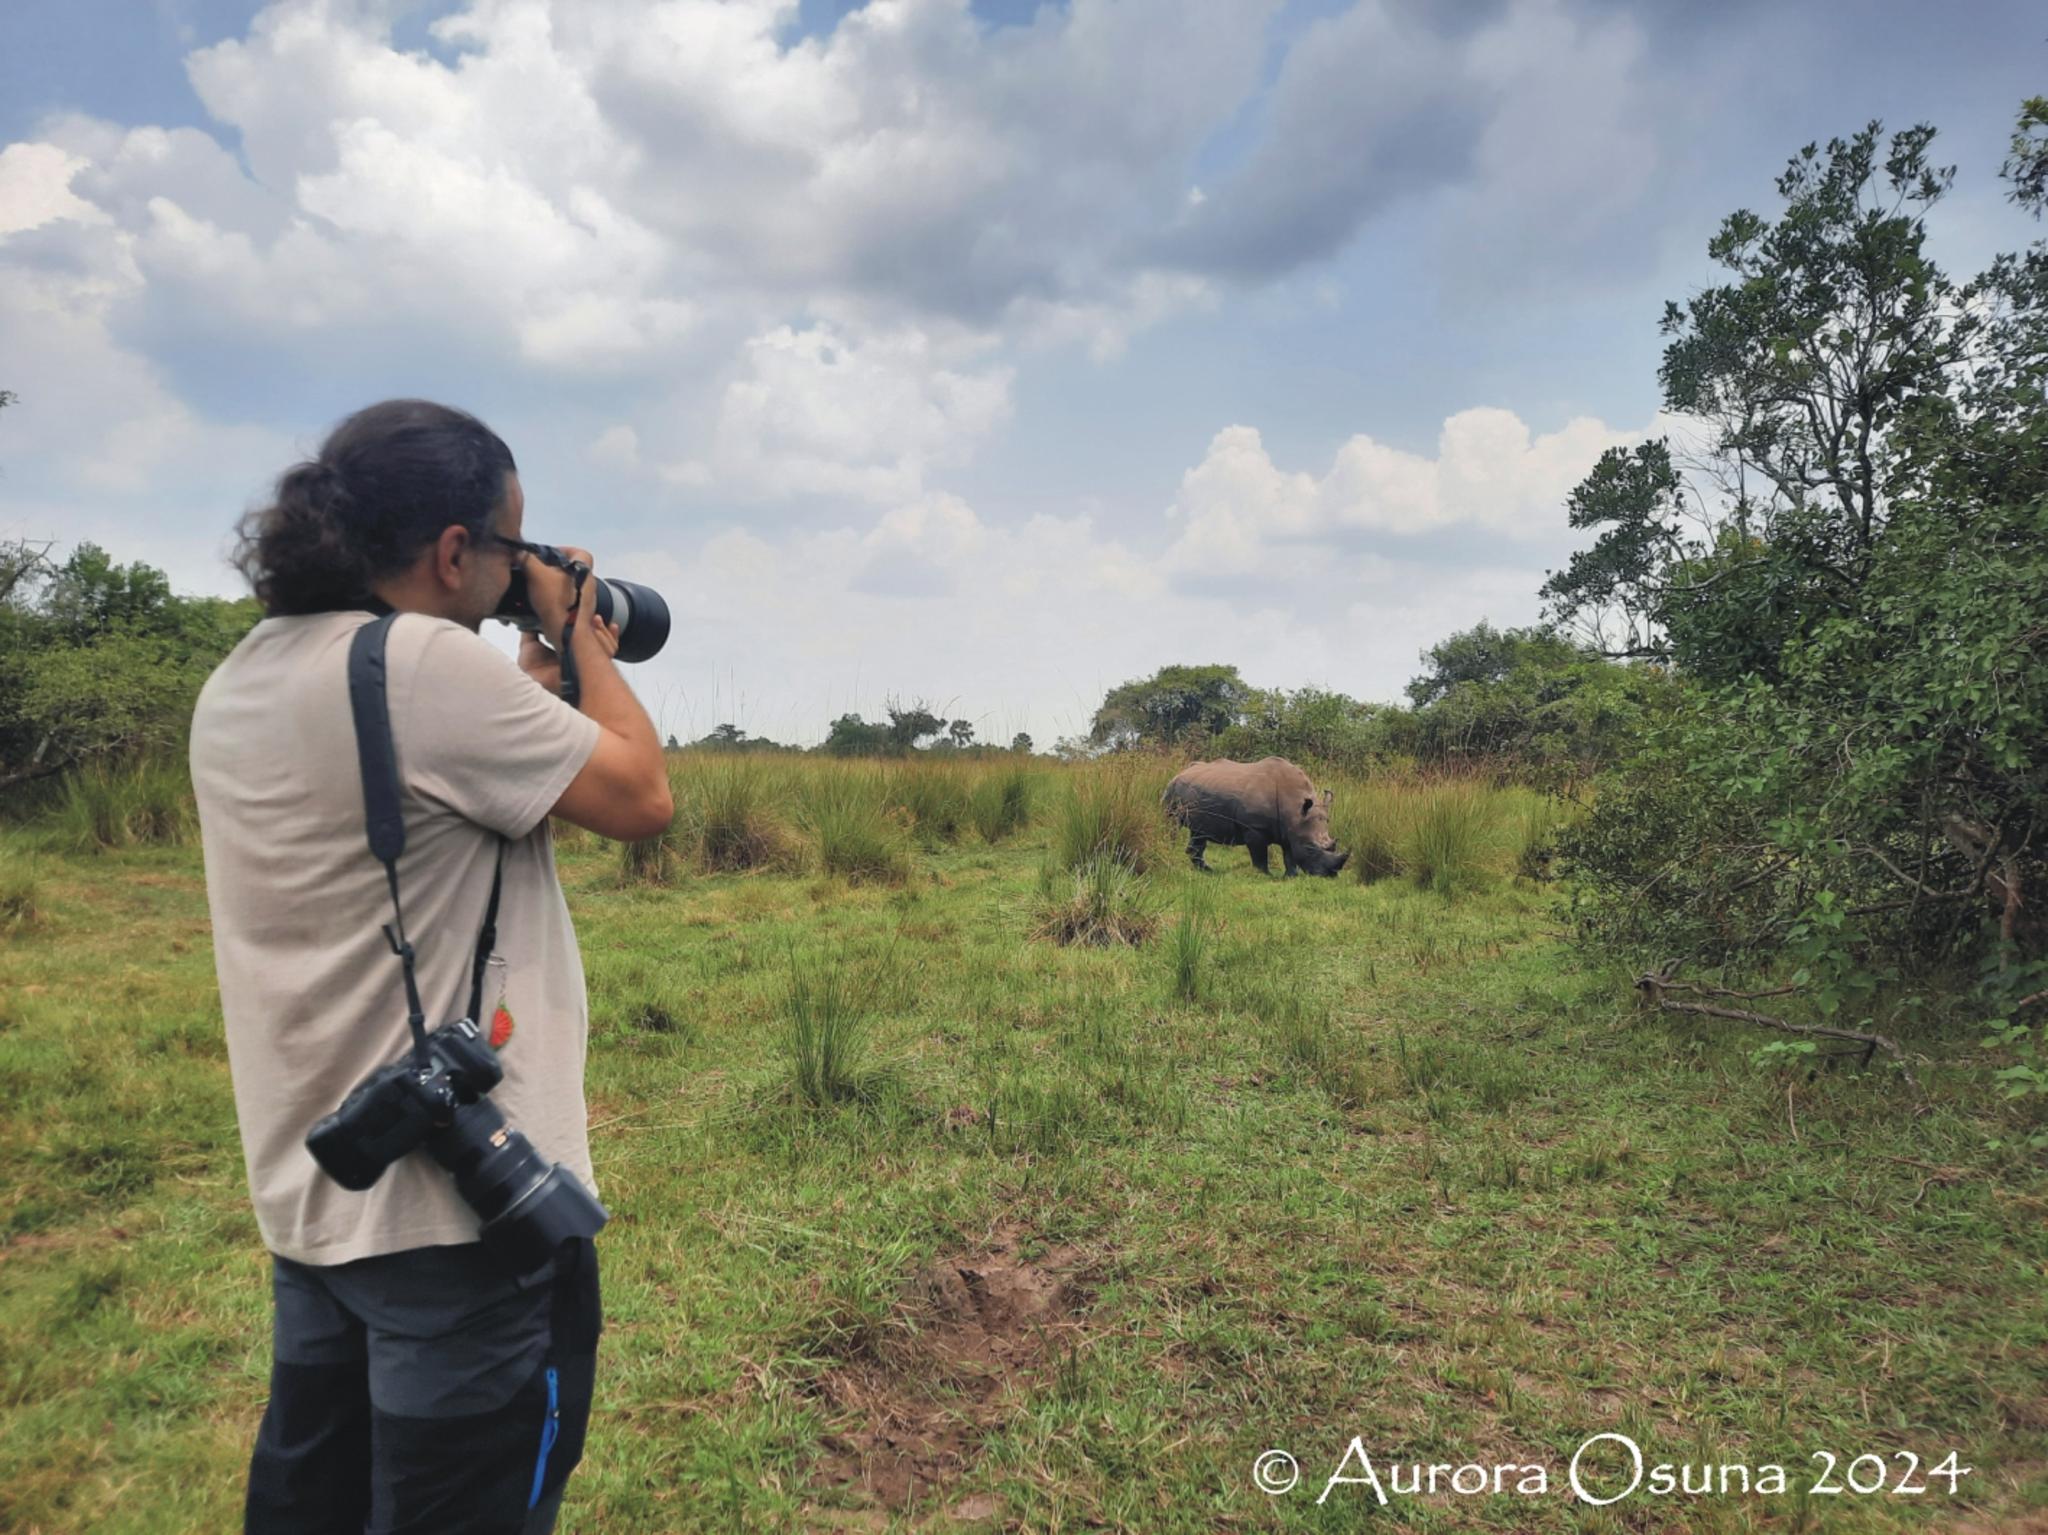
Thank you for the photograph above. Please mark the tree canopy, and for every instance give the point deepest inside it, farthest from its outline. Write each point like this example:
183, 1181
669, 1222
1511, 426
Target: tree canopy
1860, 615
1172, 705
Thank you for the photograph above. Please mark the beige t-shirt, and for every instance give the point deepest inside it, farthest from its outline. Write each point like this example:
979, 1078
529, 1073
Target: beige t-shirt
312, 995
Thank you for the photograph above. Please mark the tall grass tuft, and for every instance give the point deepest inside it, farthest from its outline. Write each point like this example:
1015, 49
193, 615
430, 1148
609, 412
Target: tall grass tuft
933, 798
1000, 803
1370, 822
1112, 809
653, 860
1100, 902
1535, 831
725, 804
855, 837
143, 802
1189, 942
649, 860
830, 1013
20, 892
1445, 847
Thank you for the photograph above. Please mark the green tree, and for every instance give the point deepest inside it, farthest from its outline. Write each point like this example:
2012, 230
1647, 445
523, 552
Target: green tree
1866, 660
852, 736
102, 659
1175, 706
1020, 742
1484, 654
1305, 725
909, 726
1800, 369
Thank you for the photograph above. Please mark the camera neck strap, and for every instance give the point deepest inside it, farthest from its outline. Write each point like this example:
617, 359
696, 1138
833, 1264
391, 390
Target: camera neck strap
384, 819
572, 675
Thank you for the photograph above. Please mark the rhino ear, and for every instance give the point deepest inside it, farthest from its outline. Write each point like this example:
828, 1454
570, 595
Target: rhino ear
1328, 795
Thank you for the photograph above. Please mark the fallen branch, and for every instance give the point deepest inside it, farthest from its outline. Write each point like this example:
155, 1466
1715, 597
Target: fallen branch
1654, 983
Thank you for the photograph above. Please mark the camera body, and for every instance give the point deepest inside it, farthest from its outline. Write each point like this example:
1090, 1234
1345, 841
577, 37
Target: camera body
527, 1207
639, 611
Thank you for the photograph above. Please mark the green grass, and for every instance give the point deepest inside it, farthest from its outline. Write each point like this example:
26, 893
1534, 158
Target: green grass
20, 890
830, 1011
1402, 1166
147, 802
1190, 946
728, 816
933, 797
1098, 902
999, 804
1111, 808
852, 830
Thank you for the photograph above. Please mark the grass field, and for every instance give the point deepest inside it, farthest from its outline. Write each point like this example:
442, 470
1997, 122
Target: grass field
920, 1220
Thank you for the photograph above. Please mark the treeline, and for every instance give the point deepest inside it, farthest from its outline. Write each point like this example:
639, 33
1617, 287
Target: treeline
906, 730
1527, 704
106, 662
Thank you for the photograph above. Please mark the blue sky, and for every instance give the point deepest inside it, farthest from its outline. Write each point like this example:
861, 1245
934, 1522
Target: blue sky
987, 354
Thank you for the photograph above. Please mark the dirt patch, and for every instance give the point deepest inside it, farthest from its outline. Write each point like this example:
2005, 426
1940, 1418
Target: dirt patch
971, 1332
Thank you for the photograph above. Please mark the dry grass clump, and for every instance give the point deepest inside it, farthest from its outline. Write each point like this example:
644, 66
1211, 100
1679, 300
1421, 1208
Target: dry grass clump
1100, 903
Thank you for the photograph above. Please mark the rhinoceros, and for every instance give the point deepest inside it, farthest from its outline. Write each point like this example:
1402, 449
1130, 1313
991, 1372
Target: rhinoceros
1256, 805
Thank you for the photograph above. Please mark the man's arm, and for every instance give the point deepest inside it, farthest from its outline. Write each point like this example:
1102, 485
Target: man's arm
623, 790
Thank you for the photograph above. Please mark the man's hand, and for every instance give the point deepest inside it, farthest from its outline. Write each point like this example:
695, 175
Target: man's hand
551, 591
539, 661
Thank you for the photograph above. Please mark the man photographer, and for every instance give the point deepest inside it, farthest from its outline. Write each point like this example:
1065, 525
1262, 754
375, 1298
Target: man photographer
421, 1382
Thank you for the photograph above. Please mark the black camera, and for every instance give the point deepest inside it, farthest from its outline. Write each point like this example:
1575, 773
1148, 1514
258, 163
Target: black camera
638, 610
527, 1207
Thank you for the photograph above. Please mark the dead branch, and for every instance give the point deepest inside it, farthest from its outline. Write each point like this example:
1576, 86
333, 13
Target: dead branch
1652, 984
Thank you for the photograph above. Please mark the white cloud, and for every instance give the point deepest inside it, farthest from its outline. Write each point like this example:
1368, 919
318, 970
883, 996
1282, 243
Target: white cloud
617, 447
1241, 513
35, 188
1264, 568
812, 411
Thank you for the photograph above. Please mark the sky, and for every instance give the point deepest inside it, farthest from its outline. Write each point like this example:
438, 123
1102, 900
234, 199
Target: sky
979, 353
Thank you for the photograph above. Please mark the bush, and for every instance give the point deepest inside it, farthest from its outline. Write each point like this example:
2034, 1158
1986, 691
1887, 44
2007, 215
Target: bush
1100, 902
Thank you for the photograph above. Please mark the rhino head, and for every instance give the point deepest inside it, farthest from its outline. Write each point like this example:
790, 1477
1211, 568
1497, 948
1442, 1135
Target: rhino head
1315, 850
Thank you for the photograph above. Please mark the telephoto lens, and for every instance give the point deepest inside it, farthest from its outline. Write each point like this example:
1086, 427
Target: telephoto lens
639, 611
528, 1208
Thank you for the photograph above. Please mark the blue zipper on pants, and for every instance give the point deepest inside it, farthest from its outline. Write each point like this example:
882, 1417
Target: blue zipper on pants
549, 1430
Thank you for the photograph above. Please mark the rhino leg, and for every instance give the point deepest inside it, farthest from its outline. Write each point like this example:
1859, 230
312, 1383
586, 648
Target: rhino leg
1287, 861
1195, 846
1256, 846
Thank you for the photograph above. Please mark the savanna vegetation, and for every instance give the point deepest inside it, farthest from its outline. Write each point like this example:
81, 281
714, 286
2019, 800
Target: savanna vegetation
1665, 1061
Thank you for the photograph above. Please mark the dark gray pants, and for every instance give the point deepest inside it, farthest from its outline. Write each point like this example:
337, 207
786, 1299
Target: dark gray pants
426, 1390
